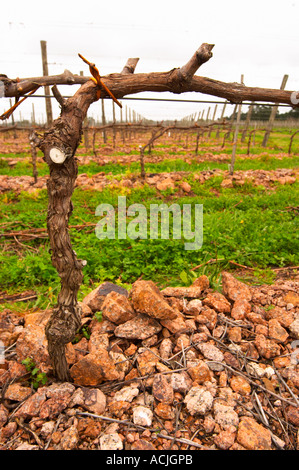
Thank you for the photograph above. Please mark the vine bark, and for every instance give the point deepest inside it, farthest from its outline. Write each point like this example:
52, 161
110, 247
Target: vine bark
59, 145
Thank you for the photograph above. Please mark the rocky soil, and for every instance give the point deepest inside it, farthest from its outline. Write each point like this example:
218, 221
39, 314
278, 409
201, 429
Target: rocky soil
161, 181
185, 368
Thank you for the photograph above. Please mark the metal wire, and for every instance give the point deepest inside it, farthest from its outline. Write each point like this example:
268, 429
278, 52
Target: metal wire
182, 101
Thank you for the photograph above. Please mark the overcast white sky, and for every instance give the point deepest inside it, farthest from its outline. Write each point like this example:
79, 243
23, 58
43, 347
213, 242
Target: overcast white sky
258, 38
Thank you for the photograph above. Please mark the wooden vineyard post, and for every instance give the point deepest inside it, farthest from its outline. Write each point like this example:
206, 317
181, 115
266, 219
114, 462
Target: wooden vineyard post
114, 122
13, 122
221, 119
46, 88
273, 115
233, 159
103, 120
247, 122
33, 140
85, 127
213, 118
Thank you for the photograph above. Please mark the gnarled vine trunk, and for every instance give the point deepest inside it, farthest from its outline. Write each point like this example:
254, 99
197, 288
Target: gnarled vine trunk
59, 145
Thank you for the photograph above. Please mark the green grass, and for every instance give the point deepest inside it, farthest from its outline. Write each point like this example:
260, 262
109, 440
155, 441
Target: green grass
265, 162
248, 225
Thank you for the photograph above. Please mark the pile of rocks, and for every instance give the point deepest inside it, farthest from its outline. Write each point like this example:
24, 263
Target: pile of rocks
160, 181
182, 368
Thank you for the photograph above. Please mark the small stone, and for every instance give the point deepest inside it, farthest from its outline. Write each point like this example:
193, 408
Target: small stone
118, 408
240, 385
281, 362
231, 360
37, 318
93, 369
234, 289
33, 343
95, 299
126, 394
276, 331
253, 436
202, 282
225, 415
256, 318
162, 389
227, 183
3, 415
26, 446
117, 308
88, 427
70, 438
225, 439
174, 325
142, 416
47, 429
261, 330
102, 326
85, 310
292, 298
186, 187
240, 309
165, 184
212, 353
207, 317
140, 327
198, 401
191, 292
131, 350
8, 430
266, 347
193, 307
111, 441
151, 341
147, 361
141, 444
164, 411
199, 371
146, 298
294, 329
217, 302
122, 364
293, 415
17, 392
97, 341
182, 343
60, 390
280, 314
94, 400
59, 398
181, 382
165, 349
31, 407
209, 424
235, 334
